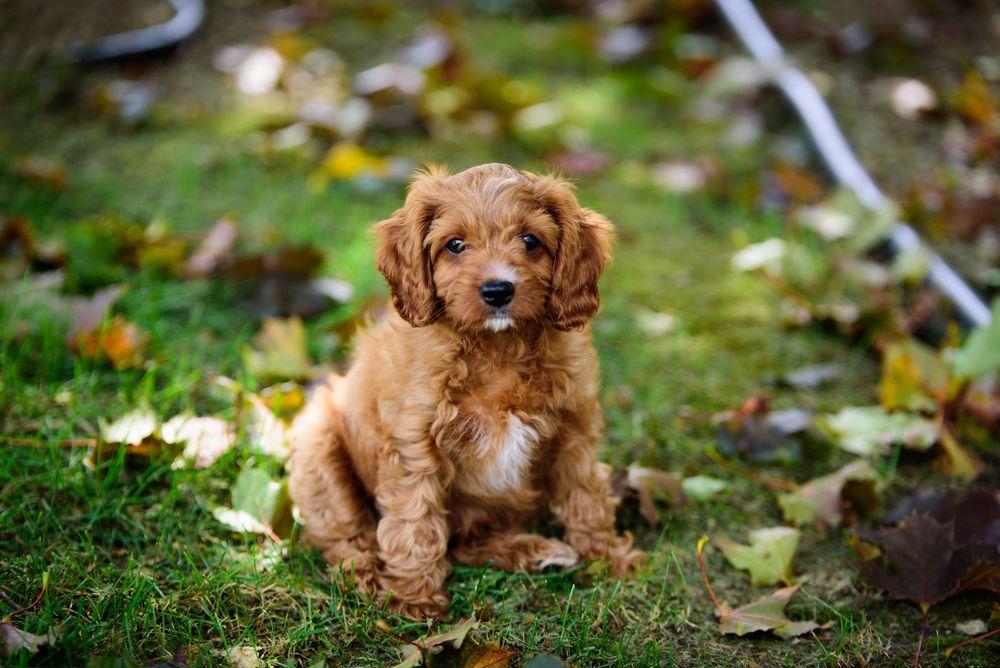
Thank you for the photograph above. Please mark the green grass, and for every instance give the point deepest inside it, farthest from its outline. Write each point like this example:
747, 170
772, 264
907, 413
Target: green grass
138, 565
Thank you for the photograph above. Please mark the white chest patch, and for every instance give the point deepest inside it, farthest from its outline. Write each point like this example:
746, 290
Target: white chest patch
512, 450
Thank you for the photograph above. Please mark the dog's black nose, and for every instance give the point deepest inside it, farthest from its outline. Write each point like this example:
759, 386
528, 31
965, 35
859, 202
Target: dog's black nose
497, 293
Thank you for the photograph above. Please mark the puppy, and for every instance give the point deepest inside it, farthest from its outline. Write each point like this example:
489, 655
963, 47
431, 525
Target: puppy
471, 411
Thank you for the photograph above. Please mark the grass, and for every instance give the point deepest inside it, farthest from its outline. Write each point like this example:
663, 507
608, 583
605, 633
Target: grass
139, 567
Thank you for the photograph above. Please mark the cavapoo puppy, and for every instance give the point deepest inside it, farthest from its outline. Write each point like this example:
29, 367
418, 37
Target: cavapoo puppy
471, 411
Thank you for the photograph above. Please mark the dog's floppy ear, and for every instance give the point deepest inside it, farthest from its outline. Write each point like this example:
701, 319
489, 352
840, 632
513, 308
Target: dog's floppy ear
584, 250
402, 256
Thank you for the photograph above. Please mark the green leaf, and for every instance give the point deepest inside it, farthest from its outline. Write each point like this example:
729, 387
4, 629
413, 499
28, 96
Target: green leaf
702, 487
823, 499
260, 505
769, 556
870, 430
980, 354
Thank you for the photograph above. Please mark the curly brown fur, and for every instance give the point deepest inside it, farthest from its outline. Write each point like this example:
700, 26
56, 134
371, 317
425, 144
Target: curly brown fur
459, 424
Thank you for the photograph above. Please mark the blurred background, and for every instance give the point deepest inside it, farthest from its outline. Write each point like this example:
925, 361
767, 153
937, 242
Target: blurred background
184, 231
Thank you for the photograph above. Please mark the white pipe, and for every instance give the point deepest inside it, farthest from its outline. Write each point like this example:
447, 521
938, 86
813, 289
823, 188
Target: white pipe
188, 15
747, 23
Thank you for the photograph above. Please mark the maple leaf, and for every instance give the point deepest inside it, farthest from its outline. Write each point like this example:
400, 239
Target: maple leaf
646, 484
870, 430
205, 439
764, 614
279, 351
15, 640
955, 459
214, 247
414, 654
136, 431
754, 432
826, 498
914, 377
941, 548
260, 505
768, 557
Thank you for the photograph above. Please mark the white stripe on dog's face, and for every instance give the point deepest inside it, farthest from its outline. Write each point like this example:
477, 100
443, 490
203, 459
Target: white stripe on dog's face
501, 272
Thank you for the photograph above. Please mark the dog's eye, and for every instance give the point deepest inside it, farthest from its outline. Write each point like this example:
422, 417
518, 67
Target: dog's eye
530, 242
455, 246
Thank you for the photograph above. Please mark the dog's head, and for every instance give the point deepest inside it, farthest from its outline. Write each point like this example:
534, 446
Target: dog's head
493, 248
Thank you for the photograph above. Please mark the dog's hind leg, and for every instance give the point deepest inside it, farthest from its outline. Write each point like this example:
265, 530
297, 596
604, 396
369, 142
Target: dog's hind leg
338, 515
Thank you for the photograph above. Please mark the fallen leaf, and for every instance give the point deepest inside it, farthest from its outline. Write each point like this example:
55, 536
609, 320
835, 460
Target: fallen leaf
15, 640
279, 351
829, 222
283, 400
205, 439
119, 341
813, 375
914, 377
703, 487
764, 614
955, 459
622, 43
243, 656
796, 184
580, 162
980, 354
764, 254
646, 484
975, 102
769, 556
346, 161
870, 430
972, 627
413, 656
976, 514
42, 171
654, 323
266, 433
89, 314
212, 250
679, 176
259, 505
490, 655
922, 560
753, 432
126, 100
826, 499
132, 428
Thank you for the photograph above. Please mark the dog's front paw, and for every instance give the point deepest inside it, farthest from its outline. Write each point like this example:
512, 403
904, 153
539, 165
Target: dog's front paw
554, 553
623, 558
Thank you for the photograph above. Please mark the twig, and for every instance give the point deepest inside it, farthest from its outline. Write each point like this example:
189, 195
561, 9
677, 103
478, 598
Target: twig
383, 625
984, 636
920, 643
24, 442
38, 599
704, 573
